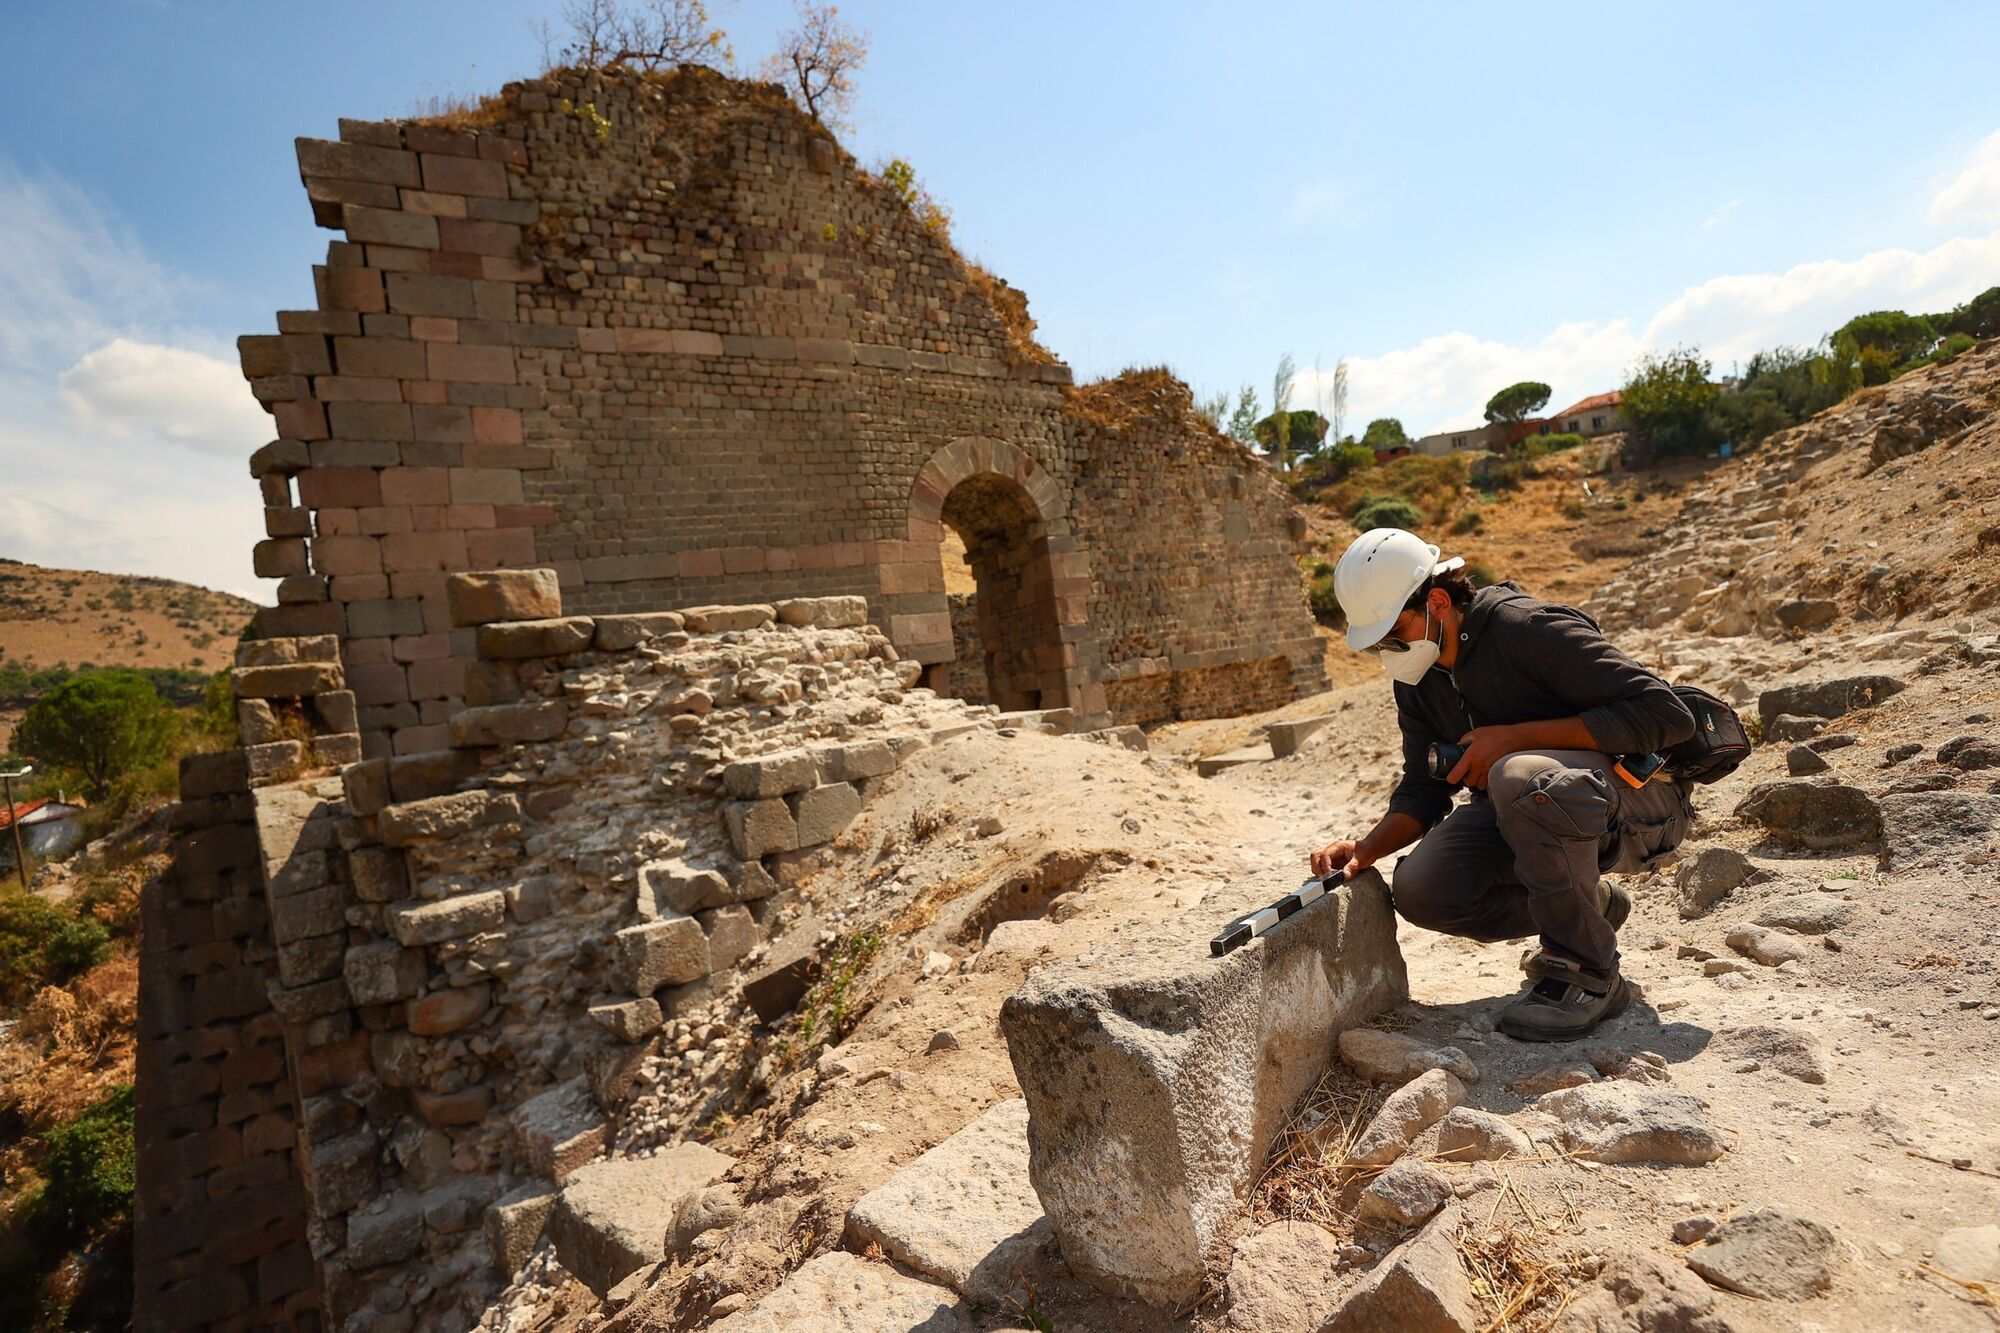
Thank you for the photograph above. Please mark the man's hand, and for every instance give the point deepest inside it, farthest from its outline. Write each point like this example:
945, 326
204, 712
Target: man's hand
1484, 747
1344, 858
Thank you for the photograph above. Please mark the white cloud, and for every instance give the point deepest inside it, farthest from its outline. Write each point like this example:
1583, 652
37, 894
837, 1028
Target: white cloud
1973, 196
122, 432
1443, 382
1721, 215
127, 389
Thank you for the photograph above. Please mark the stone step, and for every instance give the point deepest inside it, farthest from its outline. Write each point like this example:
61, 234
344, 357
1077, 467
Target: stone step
965, 1212
612, 1217
1287, 737
1220, 763
844, 1293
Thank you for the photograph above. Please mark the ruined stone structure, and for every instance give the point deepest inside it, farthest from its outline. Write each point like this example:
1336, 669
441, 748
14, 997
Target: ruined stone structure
662, 335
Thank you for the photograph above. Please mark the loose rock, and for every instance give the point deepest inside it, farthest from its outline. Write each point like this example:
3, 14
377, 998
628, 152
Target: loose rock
1279, 1275
1765, 1252
1391, 1057
1408, 1112
1405, 1195
1769, 947
1418, 1288
1620, 1121
1469, 1135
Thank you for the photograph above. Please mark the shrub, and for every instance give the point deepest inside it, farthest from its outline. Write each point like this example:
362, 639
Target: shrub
1386, 511
89, 1169
42, 944
1319, 594
1480, 573
1538, 446
1470, 521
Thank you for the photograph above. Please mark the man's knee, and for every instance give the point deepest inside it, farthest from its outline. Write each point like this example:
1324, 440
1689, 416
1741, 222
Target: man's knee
1512, 774
1539, 796
1421, 890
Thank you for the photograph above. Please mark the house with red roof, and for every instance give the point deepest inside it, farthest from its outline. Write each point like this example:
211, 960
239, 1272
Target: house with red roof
1590, 417
50, 828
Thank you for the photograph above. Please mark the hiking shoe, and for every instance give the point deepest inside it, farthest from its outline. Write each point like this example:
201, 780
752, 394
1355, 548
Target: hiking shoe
1613, 902
1565, 1003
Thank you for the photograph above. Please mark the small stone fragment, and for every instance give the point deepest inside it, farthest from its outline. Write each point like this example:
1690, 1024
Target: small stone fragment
1768, 1253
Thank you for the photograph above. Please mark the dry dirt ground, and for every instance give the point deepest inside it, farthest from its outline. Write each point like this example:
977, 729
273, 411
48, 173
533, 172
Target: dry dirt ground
66, 617
1079, 842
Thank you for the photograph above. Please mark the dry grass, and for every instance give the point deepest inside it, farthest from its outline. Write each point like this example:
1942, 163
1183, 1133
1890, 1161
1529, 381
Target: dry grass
460, 111
72, 1043
1011, 305
1510, 1255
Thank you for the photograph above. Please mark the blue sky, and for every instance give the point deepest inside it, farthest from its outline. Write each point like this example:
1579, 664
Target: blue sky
1451, 196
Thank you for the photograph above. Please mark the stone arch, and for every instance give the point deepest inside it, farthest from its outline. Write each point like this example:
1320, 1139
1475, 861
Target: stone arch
1033, 579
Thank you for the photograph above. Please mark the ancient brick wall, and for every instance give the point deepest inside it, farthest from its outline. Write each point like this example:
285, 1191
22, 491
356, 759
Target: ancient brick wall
220, 1234
662, 335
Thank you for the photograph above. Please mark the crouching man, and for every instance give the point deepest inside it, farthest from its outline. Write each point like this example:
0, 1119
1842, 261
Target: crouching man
1545, 708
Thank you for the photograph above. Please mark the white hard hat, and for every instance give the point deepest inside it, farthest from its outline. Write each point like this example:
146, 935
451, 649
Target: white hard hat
1376, 577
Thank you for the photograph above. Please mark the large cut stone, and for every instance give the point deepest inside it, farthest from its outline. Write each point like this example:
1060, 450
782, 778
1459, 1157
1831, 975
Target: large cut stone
758, 828
771, 775
514, 1224
1157, 1077
448, 918
1815, 815
558, 1130
612, 1217
824, 812
963, 1213
844, 1293
1826, 698
1944, 826
481, 597
653, 954
554, 637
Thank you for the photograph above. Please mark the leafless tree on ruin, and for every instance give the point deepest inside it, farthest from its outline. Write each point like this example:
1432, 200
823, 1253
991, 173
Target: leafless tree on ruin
640, 34
817, 61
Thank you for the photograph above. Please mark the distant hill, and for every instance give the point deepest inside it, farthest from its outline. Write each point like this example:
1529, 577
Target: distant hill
67, 618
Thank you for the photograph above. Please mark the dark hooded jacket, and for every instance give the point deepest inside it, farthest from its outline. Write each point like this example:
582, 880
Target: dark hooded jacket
1521, 659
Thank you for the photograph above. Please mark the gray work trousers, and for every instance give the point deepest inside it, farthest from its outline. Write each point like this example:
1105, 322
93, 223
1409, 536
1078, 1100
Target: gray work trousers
1524, 857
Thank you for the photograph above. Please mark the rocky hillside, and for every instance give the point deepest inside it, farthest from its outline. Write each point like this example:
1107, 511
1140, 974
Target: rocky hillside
72, 617
1882, 508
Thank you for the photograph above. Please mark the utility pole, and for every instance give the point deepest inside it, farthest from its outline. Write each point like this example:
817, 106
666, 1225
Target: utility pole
20, 855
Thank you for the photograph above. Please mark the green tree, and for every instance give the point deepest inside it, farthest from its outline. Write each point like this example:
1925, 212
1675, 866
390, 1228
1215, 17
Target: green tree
1347, 459
1893, 336
1385, 433
1517, 402
1280, 443
100, 727
1304, 431
1667, 400
1243, 417
1979, 317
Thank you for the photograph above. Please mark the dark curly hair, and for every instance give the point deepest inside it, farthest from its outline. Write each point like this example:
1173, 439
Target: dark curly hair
1456, 583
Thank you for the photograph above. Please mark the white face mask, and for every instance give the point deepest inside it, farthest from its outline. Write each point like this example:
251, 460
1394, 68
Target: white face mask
1412, 662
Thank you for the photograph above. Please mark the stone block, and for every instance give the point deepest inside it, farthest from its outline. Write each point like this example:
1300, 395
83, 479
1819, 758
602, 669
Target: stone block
964, 1212
823, 813
467, 1106
775, 988
673, 886
771, 775
1144, 1144
535, 638
280, 557
653, 954
203, 775
616, 634
441, 1012
417, 923
823, 612
383, 972
441, 817
286, 682
1825, 698
557, 1131
427, 773
386, 1232
721, 619
758, 828
732, 932
1287, 737
856, 762
340, 1171
514, 1225
337, 710
509, 724
489, 596
378, 874
628, 1019
612, 1217
840, 1292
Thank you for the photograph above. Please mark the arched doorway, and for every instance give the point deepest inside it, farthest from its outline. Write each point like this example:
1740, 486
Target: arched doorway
1023, 631
1007, 637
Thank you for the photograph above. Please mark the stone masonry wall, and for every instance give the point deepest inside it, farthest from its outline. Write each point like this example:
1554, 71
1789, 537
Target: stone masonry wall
661, 334
514, 923
220, 1235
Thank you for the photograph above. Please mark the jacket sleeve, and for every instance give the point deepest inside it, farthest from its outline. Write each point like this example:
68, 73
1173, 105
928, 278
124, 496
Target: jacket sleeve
1627, 708
1419, 795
